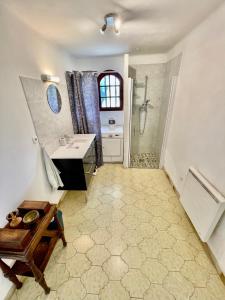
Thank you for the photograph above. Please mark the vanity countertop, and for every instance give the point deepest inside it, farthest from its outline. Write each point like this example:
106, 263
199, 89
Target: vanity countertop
75, 149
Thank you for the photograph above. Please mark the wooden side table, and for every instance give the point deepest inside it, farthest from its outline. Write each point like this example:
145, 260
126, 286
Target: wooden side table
35, 249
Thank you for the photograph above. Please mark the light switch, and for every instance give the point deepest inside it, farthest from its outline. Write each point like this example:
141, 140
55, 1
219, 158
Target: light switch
35, 139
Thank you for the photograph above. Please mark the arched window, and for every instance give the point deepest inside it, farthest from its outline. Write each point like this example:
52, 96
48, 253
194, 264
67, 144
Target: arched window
110, 85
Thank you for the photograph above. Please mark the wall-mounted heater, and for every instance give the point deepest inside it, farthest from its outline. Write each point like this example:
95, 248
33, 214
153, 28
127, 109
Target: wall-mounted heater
203, 203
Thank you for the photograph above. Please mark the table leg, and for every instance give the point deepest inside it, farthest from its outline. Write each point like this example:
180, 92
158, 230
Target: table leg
8, 273
61, 230
39, 276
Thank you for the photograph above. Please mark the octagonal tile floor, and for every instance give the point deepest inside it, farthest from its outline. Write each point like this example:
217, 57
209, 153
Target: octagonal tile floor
130, 240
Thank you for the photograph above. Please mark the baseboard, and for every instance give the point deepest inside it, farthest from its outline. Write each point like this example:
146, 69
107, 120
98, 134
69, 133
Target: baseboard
13, 288
171, 182
214, 261
10, 292
222, 277
62, 197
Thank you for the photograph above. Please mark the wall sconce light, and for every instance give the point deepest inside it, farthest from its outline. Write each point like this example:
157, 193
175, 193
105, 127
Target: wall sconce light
50, 78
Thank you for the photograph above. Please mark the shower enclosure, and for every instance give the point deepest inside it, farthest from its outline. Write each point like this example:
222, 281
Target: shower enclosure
150, 101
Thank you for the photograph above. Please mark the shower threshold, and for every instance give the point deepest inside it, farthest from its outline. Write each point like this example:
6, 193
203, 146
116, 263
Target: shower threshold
144, 160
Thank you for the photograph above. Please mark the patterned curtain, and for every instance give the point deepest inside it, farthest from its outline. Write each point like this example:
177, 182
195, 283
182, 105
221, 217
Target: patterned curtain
83, 97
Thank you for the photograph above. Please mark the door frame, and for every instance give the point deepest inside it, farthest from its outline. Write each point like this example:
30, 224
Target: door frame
168, 120
127, 123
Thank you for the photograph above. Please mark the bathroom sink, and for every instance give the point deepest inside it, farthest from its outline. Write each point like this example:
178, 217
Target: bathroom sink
75, 144
75, 149
80, 140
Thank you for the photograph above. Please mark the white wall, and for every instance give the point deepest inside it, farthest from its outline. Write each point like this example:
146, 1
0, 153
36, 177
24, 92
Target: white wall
144, 59
101, 64
196, 135
22, 52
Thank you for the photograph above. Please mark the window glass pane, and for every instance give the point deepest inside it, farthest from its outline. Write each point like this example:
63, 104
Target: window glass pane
113, 91
112, 80
103, 91
109, 87
103, 102
106, 80
117, 102
108, 102
117, 91
113, 102
107, 91
102, 82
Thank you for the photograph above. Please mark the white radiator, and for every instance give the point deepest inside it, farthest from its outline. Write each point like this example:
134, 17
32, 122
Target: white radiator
202, 202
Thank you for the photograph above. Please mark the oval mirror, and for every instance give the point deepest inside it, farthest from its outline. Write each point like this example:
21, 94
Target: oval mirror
54, 98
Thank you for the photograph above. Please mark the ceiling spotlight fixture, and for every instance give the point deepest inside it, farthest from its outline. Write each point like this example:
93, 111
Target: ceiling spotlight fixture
112, 22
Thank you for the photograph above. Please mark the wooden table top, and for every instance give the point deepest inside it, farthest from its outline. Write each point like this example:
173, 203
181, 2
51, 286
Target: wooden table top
32, 238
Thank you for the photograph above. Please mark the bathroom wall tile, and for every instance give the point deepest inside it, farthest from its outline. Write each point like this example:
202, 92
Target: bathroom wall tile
48, 125
118, 116
158, 91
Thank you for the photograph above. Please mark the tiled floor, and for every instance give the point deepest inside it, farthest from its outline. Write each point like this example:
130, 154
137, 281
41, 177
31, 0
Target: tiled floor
145, 160
131, 240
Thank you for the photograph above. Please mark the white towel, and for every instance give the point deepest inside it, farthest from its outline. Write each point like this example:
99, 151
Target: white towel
52, 172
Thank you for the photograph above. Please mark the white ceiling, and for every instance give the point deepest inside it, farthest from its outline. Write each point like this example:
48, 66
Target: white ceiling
148, 26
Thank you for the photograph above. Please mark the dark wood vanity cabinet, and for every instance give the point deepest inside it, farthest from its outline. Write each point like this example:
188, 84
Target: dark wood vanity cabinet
76, 174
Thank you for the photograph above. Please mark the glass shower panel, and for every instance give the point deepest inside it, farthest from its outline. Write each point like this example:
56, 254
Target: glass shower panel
153, 94
146, 107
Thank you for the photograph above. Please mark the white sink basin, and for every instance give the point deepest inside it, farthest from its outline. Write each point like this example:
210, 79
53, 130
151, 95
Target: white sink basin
76, 144
73, 146
76, 149
80, 140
